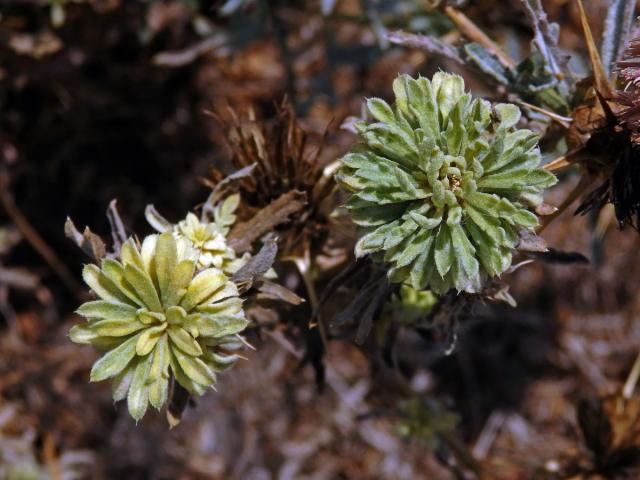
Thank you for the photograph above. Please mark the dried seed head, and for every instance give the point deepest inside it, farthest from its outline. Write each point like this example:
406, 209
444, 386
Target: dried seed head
285, 161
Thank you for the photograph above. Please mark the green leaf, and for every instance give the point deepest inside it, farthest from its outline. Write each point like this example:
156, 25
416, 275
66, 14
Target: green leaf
455, 215
229, 306
400, 92
114, 271
182, 378
224, 213
101, 285
443, 253
423, 265
138, 397
149, 338
159, 373
117, 328
221, 325
488, 224
509, 115
144, 287
464, 251
448, 89
114, 361
166, 259
130, 255
425, 223
526, 218
415, 246
194, 368
229, 290
374, 241
184, 341
107, 310
180, 281
203, 286
148, 253
82, 334
121, 383
220, 363
381, 110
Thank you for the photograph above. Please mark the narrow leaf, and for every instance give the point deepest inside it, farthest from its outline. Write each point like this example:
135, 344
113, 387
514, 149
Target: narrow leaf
617, 26
114, 361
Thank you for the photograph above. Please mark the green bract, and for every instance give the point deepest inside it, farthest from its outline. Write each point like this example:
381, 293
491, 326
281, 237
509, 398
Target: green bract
157, 317
441, 184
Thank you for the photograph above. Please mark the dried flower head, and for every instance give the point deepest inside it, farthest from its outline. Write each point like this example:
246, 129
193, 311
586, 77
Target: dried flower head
441, 184
208, 238
628, 100
613, 148
285, 161
157, 318
629, 67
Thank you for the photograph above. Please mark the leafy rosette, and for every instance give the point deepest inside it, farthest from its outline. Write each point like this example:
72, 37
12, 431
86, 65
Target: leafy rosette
158, 318
441, 184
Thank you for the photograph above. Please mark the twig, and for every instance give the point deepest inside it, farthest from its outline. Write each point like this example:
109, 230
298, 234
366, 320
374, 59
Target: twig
632, 379
563, 121
488, 435
36, 241
50, 457
426, 43
179, 58
557, 164
471, 30
599, 74
304, 265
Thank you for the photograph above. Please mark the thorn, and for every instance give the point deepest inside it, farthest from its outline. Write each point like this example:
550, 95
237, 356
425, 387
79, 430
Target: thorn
244, 340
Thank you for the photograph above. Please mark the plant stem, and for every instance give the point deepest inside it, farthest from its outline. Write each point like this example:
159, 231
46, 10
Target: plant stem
473, 32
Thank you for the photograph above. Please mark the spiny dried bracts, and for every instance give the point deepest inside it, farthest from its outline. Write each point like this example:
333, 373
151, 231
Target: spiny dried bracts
441, 184
159, 318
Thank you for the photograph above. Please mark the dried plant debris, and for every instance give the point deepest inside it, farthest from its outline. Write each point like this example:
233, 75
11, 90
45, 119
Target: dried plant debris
265, 220
287, 165
19, 456
613, 151
610, 432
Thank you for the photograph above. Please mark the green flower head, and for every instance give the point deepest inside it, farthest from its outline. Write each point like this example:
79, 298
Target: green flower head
157, 317
441, 184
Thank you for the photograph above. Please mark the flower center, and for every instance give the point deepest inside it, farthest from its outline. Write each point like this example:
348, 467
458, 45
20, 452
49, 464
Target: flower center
454, 182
